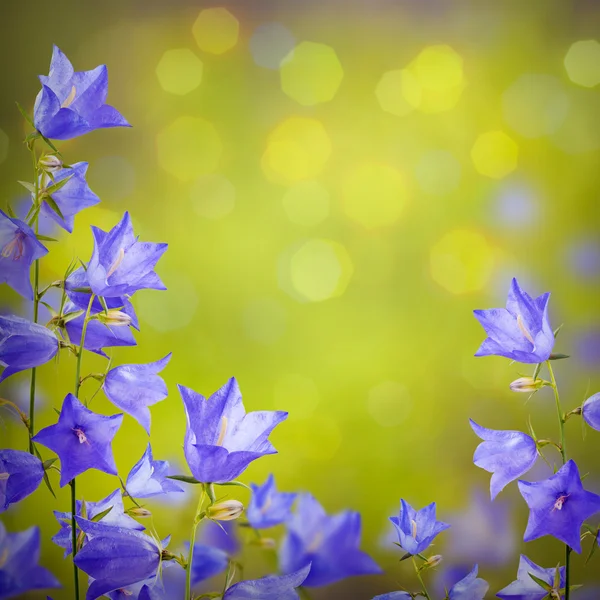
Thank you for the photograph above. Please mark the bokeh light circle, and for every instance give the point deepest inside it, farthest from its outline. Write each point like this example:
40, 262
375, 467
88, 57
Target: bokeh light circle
398, 92
582, 63
179, 71
216, 30
270, 44
495, 154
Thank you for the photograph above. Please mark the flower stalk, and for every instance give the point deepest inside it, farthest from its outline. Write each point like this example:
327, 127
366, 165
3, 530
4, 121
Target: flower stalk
199, 516
420, 578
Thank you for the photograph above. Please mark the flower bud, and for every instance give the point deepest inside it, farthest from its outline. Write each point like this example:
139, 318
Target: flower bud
138, 511
114, 317
265, 543
432, 561
227, 510
526, 385
50, 163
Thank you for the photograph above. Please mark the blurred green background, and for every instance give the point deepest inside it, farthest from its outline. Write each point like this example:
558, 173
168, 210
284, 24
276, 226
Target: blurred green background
340, 183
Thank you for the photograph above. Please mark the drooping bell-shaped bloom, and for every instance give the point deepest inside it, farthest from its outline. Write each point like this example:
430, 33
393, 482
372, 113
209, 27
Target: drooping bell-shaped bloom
133, 388
506, 454
221, 440
207, 562
72, 197
267, 506
394, 596
331, 543
19, 248
115, 557
115, 518
73, 103
273, 587
469, 588
20, 475
521, 331
558, 506
417, 529
120, 264
591, 411
526, 588
24, 345
148, 477
19, 569
82, 440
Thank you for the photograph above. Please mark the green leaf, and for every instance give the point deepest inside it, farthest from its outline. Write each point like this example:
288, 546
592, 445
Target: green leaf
34, 214
28, 186
26, 116
593, 548
50, 309
73, 315
234, 483
46, 478
52, 204
104, 305
48, 463
541, 582
55, 187
45, 238
557, 330
10, 211
56, 411
557, 577
558, 356
537, 370
102, 514
184, 478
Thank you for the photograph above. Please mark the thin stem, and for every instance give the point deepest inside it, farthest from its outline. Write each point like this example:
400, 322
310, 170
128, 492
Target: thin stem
425, 592
80, 351
563, 452
188, 570
74, 536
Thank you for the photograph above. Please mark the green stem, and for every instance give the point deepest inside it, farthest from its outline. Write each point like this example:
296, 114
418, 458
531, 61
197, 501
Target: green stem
425, 592
80, 352
188, 570
563, 452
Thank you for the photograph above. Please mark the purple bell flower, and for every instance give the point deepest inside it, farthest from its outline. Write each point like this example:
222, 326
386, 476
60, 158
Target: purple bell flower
417, 529
120, 264
19, 248
20, 475
506, 454
115, 557
19, 569
273, 587
525, 588
558, 506
207, 562
133, 388
330, 543
267, 506
394, 596
24, 345
469, 588
521, 331
72, 198
73, 103
81, 439
148, 477
591, 411
221, 440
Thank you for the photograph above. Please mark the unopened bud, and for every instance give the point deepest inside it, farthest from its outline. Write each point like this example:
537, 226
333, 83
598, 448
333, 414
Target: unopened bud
114, 317
50, 163
266, 543
227, 510
432, 561
527, 385
138, 511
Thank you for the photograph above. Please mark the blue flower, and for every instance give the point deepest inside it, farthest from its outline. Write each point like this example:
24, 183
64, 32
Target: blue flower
20, 475
525, 588
558, 506
273, 587
19, 248
591, 411
416, 530
72, 103
81, 439
506, 454
469, 588
221, 440
330, 543
133, 388
148, 477
115, 557
521, 331
207, 562
120, 264
394, 596
115, 518
267, 506
220, 535
24, 345
19, 569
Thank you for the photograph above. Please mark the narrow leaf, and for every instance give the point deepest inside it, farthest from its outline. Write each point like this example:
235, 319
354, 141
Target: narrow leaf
184, 478
541, 582
28, 186
537, 370
55, 187
102, 514
45, 238
48, 463
52, 204
10, 211
46, 478
235, 483
558, 356
26, 116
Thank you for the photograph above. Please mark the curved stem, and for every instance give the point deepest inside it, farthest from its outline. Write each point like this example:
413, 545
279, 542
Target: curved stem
188, 570
80, 351
425, 592
563, 452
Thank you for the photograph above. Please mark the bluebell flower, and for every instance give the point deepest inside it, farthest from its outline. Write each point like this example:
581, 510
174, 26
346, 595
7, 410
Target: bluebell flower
19, 248
24, 345
72, 103
148, 477
506, 454
73, 197
330, 543
115, 557
223, 536
469, 588
221, 440
267, 506
81, 439
19, 569
521, 331
207, 562
133, 388
273, 587
558, 506
20, 475
394, 596
525, 588
591, 411
417, 529
120, 264
115, 518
